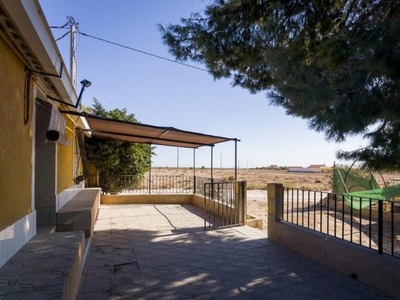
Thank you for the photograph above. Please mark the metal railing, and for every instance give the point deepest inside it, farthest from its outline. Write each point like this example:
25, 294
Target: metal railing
225, 204
199, 184
164, 184
157, 184
376, 226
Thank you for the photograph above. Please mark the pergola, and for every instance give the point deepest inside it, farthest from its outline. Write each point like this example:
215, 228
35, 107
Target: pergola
106, 128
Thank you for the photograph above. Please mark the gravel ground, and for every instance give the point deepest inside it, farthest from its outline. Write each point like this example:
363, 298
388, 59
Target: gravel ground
257, 205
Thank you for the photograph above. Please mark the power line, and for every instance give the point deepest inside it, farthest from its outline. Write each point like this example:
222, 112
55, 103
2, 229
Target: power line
61, 27
64, 35
141, 51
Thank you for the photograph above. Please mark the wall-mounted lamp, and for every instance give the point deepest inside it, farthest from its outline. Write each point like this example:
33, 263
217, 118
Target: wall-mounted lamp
85, 83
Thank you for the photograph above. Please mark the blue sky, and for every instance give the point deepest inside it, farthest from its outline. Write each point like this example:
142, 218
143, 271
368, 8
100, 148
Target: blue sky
162, 93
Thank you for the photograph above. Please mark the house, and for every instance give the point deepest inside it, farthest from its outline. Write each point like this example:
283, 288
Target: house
320, 166
295, 169
40, 171
310, 169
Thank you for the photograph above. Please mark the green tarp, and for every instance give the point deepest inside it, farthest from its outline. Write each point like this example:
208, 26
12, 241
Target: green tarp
360, 192
346, 182
386, 193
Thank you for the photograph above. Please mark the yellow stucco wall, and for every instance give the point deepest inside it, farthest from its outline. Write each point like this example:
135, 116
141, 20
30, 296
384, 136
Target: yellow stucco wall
65, 161
15, 140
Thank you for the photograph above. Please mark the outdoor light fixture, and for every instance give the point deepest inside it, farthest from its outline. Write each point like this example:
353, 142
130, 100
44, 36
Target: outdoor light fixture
85, 83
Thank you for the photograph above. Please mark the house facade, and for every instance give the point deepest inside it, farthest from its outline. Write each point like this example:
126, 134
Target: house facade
38, 175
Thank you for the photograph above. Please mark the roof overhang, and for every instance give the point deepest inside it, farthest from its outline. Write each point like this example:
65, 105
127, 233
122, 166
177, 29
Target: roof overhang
23, 24
104, 128
36, 43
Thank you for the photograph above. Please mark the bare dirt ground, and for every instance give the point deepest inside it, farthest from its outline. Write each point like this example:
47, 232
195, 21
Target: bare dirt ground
257, 180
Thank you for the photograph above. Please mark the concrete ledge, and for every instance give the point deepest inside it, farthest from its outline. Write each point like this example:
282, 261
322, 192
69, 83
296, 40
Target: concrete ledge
377, 270
147, 199
254, 222
48, 266
80, 212
198, 201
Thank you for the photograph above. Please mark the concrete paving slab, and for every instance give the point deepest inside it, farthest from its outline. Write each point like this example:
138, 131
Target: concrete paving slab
163, 252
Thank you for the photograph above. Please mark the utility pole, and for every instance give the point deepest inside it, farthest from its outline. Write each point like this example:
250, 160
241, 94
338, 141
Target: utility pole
177, 159
221, 161
73, 30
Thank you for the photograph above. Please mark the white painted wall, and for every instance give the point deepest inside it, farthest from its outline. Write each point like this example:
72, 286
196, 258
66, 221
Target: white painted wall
15, 236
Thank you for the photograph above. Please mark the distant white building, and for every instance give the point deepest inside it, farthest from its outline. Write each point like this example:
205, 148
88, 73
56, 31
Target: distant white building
316, 166
310, 169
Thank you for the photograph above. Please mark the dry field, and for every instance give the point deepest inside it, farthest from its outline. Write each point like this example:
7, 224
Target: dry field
257, 180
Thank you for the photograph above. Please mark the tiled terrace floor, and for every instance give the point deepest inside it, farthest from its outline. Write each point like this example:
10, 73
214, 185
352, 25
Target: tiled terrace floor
162, 252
